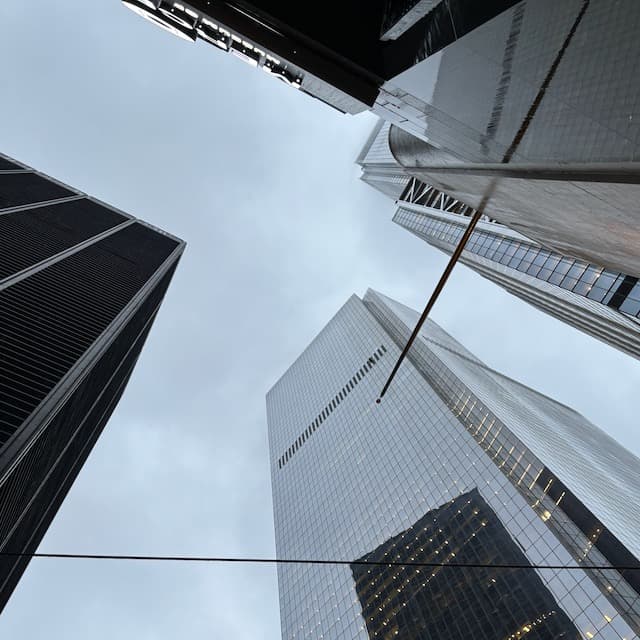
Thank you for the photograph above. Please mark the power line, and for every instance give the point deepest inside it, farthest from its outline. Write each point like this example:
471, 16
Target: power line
314, 561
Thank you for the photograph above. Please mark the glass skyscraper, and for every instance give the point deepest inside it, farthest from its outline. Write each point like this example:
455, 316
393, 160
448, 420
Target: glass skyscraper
601, 302
80, 286
458, 464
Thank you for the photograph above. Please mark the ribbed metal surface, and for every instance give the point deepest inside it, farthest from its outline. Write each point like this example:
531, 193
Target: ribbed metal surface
35, 489
27, 237
49, 319
18, 189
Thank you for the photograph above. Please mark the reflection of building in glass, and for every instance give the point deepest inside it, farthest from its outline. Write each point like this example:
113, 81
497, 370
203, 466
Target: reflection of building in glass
80, 286
348, 475
598, 301
422, 602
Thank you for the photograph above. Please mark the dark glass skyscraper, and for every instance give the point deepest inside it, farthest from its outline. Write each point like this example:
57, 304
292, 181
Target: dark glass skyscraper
458, 465
411, 602
80, 286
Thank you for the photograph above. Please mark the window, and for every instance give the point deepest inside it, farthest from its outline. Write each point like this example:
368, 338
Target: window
335, 401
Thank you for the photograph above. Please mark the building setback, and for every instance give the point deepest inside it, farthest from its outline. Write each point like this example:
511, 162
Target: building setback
458, 464
80, 286
601, 302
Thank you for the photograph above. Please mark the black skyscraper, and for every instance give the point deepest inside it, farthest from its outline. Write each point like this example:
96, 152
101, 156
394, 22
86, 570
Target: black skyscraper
80, 285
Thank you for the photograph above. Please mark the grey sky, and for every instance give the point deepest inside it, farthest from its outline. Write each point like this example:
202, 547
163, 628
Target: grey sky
260, 181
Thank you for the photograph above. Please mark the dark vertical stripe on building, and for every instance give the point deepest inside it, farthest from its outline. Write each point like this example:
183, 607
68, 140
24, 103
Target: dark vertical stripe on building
621, 293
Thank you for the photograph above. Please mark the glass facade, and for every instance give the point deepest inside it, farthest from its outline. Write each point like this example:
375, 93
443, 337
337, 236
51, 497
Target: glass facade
80, 286
600, 302
458, 463
413, 602
502, 63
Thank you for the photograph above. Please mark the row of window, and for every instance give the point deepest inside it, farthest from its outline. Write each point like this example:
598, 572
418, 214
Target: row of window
612, 289
324, 414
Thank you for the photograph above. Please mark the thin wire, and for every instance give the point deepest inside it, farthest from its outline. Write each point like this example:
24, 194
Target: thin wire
488, 194
372, 563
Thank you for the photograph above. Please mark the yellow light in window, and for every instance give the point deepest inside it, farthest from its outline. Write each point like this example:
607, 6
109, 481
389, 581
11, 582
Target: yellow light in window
589, 634
608, 618
545, 515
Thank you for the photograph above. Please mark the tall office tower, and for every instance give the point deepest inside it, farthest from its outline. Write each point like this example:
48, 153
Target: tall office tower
80, 286
598, 301
457, 465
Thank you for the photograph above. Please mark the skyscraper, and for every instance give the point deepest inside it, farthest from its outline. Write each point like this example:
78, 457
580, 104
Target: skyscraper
598, 301
528, 85
458, 464
80, 286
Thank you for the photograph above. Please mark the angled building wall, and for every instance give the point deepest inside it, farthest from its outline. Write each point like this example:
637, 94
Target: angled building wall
349, 476
80, 286
531, 85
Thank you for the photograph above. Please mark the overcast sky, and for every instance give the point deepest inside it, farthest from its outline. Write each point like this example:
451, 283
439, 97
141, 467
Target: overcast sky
260, 181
